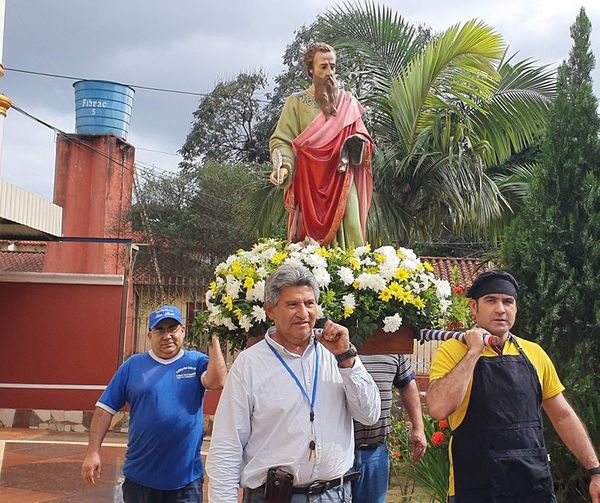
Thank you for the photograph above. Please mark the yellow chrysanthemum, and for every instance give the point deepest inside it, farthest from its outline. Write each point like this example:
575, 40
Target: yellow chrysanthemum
396, 289
236, 268
418, 302
213, 287
379, 258
278, 258
323, 252
355, 285
402, 274
385, 295
405, 297
238, 312
248, 283
348, 312
428, 266
354, 263
228, 301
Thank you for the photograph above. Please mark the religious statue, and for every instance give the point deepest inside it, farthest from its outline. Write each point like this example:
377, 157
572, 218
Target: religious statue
321, 154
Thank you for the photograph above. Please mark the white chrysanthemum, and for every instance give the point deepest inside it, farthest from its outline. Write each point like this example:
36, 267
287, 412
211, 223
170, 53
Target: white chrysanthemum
348, 301
294, 247
361, 250
257, 292
443, 289
322, 276
268, 254
315, 261
252, 256
207, 298
214, 309
245, 323
215, 318
408, 254
410, 264
259, 314
233, 287
392, 323
387, 270
425, 278
228, 323
293, 260
310, 249
373, 281
262, 272
444, 305
388, 251
416, 287
221, 268
345, 274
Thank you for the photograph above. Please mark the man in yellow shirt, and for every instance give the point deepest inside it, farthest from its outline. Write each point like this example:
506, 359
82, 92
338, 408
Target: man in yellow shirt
493, 396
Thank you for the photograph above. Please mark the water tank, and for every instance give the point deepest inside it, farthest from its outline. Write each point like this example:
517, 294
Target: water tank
102, 107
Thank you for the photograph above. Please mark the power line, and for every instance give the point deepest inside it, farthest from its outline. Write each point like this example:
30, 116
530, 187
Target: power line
137, 164
135, 86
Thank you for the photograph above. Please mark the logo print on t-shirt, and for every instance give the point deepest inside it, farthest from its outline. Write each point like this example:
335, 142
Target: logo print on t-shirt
186, 373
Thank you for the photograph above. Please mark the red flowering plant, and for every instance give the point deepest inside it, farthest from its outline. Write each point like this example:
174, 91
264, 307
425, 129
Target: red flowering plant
432, 471
458, 316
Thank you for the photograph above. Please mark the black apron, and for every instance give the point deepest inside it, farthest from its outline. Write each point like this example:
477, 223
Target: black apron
498, 450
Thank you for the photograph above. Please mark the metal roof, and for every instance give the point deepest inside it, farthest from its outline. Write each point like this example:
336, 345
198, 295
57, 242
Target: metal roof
24, 215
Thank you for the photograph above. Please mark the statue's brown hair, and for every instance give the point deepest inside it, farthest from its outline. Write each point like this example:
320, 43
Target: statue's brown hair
309, 56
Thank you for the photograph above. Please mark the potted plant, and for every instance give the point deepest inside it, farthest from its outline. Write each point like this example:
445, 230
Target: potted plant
384, 291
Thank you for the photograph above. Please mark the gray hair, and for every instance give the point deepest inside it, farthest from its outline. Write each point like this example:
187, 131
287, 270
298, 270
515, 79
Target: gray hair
288, 275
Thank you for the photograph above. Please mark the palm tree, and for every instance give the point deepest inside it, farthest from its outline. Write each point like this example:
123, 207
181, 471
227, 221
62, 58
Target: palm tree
446, 112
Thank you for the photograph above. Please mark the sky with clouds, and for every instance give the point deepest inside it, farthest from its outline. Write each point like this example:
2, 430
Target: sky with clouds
191, 45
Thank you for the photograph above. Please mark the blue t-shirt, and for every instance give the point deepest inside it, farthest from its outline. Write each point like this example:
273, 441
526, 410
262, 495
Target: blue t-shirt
165, 420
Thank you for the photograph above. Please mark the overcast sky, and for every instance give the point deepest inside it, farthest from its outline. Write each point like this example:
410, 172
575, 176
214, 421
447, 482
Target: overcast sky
191, 45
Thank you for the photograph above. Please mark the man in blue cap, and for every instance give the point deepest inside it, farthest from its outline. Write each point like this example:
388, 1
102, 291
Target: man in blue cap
493, 398
164, 389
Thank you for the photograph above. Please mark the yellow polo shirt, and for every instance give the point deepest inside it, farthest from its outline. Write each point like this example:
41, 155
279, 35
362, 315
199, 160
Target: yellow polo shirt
452, 351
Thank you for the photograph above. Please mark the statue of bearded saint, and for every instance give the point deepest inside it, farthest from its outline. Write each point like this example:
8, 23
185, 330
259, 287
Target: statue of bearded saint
321, 153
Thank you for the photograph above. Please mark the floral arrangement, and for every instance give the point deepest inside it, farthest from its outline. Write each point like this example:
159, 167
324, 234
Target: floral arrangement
432, 472
361, 288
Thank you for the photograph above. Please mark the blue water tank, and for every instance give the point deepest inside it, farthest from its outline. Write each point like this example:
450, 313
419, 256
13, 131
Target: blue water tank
102, 107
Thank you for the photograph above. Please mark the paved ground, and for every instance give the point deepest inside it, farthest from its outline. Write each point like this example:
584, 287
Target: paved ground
41, 466
38, 466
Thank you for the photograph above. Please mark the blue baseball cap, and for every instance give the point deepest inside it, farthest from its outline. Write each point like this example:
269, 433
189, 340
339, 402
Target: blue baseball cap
164, 313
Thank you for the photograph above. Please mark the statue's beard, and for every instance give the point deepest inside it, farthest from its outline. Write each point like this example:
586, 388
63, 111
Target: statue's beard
326, 95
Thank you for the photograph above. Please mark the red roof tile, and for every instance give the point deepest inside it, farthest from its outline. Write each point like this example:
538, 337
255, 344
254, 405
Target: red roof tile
21, 261
466, 269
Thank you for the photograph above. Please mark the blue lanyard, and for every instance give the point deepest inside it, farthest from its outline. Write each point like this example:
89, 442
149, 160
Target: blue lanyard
291, 372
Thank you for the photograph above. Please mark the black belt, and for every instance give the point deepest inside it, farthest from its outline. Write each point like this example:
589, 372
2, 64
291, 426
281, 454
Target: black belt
368, 447
320, 486
316, 487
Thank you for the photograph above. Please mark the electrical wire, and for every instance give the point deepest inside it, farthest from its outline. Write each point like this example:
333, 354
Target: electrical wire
135, 86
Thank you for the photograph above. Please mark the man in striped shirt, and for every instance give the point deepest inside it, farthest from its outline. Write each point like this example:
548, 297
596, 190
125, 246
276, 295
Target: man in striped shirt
371, 453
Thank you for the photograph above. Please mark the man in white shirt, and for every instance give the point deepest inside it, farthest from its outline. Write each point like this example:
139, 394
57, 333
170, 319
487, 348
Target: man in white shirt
289, 402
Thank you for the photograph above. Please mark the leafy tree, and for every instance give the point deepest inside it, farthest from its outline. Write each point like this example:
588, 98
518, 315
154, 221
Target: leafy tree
198, 218
553, 248
225, 124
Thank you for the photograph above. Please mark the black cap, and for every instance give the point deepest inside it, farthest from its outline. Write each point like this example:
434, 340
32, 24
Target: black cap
494, 281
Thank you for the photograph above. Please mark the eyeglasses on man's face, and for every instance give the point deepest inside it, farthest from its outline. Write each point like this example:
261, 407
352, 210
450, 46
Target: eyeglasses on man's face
171, 329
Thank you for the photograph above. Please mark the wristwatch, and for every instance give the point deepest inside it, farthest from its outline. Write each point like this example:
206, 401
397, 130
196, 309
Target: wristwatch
350, 353
591, 471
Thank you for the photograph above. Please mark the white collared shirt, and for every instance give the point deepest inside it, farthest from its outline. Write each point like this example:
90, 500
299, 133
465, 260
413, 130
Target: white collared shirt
263, 419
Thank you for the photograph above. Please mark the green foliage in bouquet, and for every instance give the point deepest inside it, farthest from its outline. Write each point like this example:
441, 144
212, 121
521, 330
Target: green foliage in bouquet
361, 288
